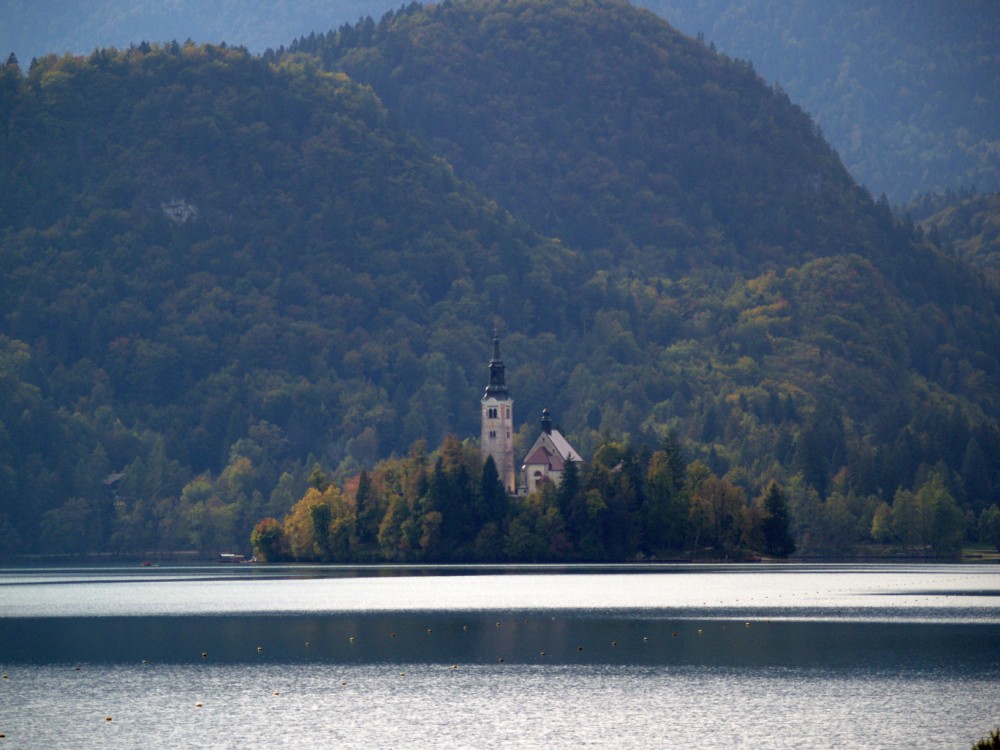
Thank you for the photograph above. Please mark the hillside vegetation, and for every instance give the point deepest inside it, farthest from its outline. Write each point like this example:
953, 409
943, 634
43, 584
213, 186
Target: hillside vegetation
220, 273
966, 224
905, 91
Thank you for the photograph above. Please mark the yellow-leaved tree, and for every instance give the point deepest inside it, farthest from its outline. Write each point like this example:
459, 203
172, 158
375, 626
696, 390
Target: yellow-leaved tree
320, 526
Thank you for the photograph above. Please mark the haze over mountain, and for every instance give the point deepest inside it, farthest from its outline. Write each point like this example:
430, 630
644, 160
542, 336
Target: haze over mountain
34, 28
217, 271
905, 91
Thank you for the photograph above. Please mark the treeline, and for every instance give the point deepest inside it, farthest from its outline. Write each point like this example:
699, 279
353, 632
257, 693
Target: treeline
625, 504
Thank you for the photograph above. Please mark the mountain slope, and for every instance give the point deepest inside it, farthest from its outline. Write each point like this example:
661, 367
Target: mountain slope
199, 248
968, 223
731, 254
906, 91
603, 126
217, 272
606, 128
903, 90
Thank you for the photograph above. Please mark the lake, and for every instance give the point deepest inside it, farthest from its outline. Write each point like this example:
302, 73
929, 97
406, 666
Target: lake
754, 656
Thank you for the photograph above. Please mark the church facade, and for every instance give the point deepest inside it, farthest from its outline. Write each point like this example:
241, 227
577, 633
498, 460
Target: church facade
546, 459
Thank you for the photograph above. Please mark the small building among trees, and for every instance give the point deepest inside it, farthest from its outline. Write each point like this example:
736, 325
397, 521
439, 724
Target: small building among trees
546, 459
548, 456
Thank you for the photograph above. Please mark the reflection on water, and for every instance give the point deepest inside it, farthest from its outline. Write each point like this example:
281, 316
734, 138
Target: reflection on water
464, 638
428, 705
953, 593
628, 656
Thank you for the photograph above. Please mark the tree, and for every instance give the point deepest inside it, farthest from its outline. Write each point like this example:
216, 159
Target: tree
989, 526
775, 524
881, 530
366, 507
268, 541
493, 504
320, 526
666, 506
719, 511
943, 521
906, 525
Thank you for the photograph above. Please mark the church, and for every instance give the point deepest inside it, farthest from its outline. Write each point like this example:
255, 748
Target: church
546, 459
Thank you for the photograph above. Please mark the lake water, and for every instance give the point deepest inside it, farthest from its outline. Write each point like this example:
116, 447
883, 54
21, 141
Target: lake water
760, 656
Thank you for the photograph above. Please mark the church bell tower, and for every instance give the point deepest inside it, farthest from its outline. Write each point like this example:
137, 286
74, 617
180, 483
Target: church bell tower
498, 421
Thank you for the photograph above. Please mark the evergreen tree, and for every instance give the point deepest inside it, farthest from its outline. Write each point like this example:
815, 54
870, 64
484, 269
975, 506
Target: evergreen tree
775, 525
492, 495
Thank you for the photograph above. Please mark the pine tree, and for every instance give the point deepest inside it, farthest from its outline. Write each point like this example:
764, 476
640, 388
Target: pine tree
777, 534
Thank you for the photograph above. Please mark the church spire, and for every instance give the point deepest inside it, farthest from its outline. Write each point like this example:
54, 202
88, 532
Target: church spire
498, 421
497, 388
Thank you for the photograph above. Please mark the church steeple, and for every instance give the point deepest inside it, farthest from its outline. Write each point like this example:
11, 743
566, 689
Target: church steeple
497, 388
498, 421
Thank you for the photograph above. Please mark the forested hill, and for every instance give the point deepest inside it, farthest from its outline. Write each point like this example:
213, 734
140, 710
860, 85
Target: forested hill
206, 259
905, 90
709, 205
605, 127
218, 272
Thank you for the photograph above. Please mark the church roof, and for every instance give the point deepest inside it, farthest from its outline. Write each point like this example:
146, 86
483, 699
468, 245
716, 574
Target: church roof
562, 445
556, 448
497, 388
543, 455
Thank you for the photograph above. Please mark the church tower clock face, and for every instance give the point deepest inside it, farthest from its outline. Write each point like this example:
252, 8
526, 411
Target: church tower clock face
497, 438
